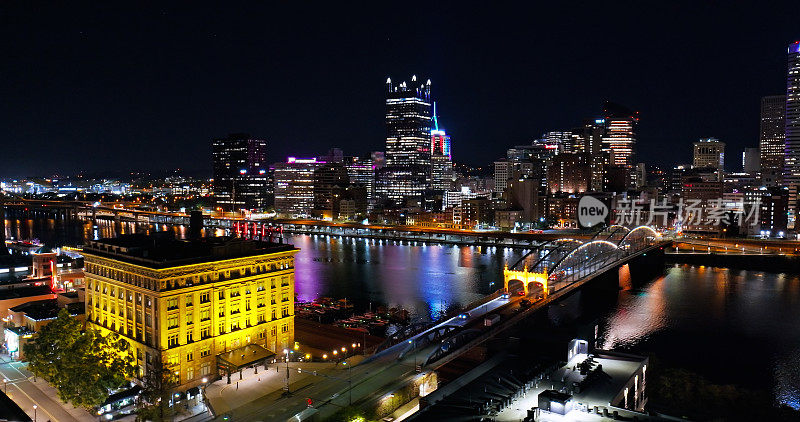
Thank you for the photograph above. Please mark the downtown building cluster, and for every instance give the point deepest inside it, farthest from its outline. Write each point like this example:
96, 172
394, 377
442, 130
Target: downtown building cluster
538, 185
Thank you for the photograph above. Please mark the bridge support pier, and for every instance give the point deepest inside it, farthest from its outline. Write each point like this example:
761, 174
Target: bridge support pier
525, 277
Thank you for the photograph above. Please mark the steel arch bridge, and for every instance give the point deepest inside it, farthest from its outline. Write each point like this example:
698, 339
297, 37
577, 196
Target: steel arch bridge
566, 260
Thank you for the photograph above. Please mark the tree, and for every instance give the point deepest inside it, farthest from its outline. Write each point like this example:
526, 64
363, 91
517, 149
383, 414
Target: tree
84, 366
157, 388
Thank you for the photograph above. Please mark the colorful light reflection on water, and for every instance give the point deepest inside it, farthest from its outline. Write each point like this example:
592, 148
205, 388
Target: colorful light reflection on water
735, 327
425, 279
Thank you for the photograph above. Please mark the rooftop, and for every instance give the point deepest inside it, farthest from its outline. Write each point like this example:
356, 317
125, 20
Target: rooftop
163, 250
47, 309
10, 411
25, 291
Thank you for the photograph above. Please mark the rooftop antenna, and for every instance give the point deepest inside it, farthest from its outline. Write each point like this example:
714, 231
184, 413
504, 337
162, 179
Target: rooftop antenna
435, 119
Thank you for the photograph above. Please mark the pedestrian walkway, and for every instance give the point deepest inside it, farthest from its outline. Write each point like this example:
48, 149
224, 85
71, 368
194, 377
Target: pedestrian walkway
268, 385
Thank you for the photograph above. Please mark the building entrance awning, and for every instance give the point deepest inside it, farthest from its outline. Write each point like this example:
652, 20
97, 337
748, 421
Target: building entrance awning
243, 357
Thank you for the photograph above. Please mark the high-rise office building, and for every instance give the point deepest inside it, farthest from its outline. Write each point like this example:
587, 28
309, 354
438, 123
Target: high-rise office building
327, 178
620, 133
709, 153
407, 172
564, 140
588, 140
791, 164
619, 138
751, 160
441, 157
294, 187
362, 172
240, 172
569, 173
772, 138
792, 158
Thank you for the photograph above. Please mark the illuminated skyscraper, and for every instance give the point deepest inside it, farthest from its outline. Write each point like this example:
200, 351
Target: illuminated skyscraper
709, 152
294, 187
441, 158
791, 165
408, 141
772, 138
240, 172
620, 136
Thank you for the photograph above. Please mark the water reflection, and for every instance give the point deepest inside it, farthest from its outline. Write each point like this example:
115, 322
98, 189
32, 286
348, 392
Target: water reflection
734, 327
425, 279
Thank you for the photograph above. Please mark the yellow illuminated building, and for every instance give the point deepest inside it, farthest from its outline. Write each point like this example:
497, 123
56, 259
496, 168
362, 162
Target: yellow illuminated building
192, 304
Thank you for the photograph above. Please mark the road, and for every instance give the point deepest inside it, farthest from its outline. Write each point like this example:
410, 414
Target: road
26, 394
381, 373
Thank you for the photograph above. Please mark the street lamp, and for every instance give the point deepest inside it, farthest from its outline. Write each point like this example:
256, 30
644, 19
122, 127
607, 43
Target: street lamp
286, 352
34, 412
203, 399
5, 385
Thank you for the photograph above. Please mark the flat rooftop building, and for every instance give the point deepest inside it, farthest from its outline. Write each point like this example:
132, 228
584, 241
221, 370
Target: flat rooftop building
590, 386
186, 304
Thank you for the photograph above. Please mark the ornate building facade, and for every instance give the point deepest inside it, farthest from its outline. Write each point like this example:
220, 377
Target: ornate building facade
189, 304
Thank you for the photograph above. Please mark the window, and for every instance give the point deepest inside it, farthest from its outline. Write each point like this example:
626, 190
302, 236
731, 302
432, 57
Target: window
172, 303
189, 373
221, 294
261, 318
285, 312
205, 352
205, 315
173, 360
190, 356
261, 302
172, 321
189, 337
205, 368
234, 326
260, 286
189, 318
222, 328
235, 292
222, 310
274, 331
172, 340
247, 306
205, 333
148, 320
274, 315
189, 299
285, 328
205, 297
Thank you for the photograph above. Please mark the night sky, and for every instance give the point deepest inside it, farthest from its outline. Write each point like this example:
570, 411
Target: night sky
98, 87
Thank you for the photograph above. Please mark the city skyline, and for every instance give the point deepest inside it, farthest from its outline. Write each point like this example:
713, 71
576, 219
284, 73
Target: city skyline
185, 81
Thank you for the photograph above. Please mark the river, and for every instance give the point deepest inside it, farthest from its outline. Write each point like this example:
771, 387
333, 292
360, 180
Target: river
731, 326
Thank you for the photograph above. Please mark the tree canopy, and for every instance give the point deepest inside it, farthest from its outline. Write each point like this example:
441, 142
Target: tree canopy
84, 366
